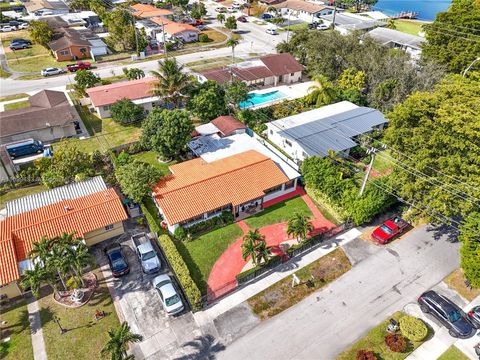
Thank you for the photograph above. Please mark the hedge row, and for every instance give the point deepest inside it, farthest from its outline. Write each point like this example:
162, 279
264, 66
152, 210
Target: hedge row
150, 212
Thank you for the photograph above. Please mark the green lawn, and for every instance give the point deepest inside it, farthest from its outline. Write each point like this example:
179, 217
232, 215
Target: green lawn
17, 193
296, 27
278, 213
14, 97
375, 341
151, 158
17, 105
201, 254
383, 163
4, 74
453, 353
18, 329
85, 337
412, 27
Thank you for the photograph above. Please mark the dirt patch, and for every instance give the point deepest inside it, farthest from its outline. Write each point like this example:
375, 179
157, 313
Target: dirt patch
456, 281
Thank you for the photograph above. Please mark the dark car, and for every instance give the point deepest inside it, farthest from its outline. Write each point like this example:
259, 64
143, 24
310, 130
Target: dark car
267, 16
20, 40
117, 261
474, 316
242, 19
448, 313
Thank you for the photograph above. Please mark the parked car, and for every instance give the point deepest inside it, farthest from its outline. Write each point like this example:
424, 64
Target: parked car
389, 230
201, 27
322, 27
474, 316
221, 9
8, 28
242, 19
231, 9
52, 71
267, 16
271, 31
79, 66
146, 253
448, 313
18, 46
22, 26
24, 148
20, 40
236, 6
197, 22
171, 300
116, 259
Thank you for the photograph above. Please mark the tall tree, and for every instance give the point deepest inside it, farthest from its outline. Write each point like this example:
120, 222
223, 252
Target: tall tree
323, 92
172, 83
125, 111
85, 79
121, 29
33, 279
236, 91
133, 73
232, 43
198, 10
208, 101
470, 251
40, 32
221, 18
231, 23
453, 39
299, 226
118, 341
78, 258
136, 179
255, 246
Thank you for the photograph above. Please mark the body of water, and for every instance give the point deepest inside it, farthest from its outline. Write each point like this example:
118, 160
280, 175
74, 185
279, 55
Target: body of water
427, 9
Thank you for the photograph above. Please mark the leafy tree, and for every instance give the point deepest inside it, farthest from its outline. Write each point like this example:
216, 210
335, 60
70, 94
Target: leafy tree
119, 339
299, 225
133, 73
434, 141
85, 79
119, 23
323, 92
236, 91
453, 39
255, 246
198, 10
40, 32
231, 23
141, 42
33, 279
352, 79
97, 6
221, 18
358, 5
125, 112
391, 24
470, 251
136, 178
208, 102
77, 256
167, 132
172, 83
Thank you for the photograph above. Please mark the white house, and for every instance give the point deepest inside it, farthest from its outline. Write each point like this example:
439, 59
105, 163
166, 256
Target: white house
303, 10
398, 40
347, 22
332, 127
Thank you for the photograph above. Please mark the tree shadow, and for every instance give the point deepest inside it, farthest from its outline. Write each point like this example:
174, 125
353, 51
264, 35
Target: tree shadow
443, 231
205, 347
195, 271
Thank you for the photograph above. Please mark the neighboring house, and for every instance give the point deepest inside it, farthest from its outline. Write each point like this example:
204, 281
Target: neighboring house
50, 117
138, 91
398, 40
185, 32
88, 208
375, 15
347, 22
269, 70
198, 190
152, 29
303, 10
332, 127
149, 11
89, 19
222, 126
76, 44
45, 7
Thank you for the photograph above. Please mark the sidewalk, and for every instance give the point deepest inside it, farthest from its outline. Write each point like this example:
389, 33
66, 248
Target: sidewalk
38, 344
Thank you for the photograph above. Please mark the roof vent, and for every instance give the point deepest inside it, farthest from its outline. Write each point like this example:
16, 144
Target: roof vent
67, 208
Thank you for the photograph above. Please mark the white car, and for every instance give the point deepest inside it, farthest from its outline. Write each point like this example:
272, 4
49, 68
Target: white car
171, 300
8, 28
23, 26
52, 71
271, 31
221, 9
322, 27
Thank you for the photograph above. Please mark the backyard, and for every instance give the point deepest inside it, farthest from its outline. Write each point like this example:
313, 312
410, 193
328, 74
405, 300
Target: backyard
150, 157
17, 328
412, 27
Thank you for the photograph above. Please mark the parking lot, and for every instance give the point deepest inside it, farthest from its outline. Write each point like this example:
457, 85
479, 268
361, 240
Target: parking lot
138, 303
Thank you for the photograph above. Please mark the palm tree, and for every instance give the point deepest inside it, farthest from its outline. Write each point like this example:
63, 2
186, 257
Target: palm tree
391, 24
58, 261
41, 249
172, 82
299, 225
232, 43
255, 246
323, 92
117, 345
78, 257
33, 279
221, 18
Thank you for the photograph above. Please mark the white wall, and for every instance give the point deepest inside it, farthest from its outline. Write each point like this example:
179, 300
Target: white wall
294, 151
104, 111
280, 192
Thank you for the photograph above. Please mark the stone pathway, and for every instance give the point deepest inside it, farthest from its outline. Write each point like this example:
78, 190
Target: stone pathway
38, 344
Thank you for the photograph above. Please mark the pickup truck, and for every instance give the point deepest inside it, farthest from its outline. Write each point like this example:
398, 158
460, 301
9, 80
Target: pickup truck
79, 66
146, 253
389, 229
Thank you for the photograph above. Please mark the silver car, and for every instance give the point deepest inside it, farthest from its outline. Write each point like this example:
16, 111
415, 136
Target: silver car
171, 300
52, 71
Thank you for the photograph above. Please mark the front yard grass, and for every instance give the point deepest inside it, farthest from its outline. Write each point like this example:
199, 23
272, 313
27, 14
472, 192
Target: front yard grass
4, 74
150, 157
278, 213
13, 97
375, 341
412, 27
456, 281
17, 327
453, 353
85, 337
201, 253
17, 193
17, 105
280, 296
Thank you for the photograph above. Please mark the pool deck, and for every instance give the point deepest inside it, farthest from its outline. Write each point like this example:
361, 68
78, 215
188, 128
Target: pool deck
291, 92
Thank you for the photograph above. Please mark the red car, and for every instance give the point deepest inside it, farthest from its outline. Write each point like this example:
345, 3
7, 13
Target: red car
389, 229
79, 66
197, 22
242, 19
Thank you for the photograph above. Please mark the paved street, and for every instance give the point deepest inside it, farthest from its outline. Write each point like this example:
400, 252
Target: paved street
327, 322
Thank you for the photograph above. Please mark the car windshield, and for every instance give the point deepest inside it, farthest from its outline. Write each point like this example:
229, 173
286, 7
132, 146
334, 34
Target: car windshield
386, 229
149, 255
172, 300
118, 264
454, 316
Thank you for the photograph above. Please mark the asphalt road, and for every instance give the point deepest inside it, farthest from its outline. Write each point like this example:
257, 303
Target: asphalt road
327, 322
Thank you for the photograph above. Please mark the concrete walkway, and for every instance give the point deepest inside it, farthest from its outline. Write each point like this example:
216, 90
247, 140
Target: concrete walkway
39, 352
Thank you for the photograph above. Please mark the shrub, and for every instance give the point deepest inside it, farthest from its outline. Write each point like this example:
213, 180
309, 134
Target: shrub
180, 233
203, 38
412, 328
150, 211
259, 269
72, 283
123, 159
366, 355
181, 270
396, 343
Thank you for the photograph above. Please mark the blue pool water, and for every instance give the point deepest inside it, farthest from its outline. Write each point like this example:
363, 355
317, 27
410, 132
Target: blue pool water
257, 99
427, 9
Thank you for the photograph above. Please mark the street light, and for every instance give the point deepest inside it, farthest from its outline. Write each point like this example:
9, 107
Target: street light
469, 66
56, 320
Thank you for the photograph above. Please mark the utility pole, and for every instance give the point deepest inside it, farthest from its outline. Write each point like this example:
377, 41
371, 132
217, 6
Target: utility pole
164, 42
371, 151
469, 66
288, 25
334, 13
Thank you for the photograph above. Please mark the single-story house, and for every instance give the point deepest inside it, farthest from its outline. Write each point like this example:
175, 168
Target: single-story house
348, 22
270, 70
332, 127
398, 40
73, 44
88, 208
146, 11
89, 19
50, 117
185, 32
198, 190
303, 10
138, 91
222, 126
46, 7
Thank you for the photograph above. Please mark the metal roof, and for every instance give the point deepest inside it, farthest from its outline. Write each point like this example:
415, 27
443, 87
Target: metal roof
386, 36
52, 196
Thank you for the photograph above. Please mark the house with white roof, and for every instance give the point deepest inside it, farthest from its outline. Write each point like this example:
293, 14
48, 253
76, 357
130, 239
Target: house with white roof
395, 39
347, 22
333, 127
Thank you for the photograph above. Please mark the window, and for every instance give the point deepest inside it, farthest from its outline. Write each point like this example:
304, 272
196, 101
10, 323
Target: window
274, 189
64, 52
289, 184
288, 142
271, 132
106, 108
109, 227
292, 74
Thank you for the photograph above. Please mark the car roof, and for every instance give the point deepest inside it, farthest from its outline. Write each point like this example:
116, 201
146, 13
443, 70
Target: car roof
168, 290
145, 247
445, 303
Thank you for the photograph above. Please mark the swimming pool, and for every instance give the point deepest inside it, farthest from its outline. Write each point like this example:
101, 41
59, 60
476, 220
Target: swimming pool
261, 98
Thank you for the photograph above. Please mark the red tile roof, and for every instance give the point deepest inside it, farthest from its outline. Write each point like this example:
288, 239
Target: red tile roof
227, 124
81, 215
173, 28
132, 90
147, 11
196, 187
282, 64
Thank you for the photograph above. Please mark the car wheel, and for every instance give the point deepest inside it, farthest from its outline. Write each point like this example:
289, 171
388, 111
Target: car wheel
452, 333
424, 309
